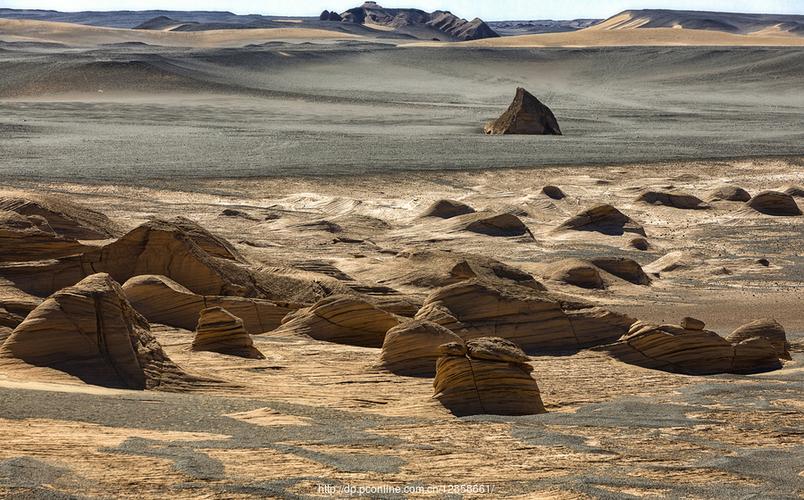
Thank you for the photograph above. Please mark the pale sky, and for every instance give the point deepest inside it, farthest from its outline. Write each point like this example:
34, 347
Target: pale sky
490, 10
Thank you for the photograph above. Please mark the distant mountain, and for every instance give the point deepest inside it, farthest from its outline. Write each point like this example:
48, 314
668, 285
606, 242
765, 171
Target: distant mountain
511, 28
730, 22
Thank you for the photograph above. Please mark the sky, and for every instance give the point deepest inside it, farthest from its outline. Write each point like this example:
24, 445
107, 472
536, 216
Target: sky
489, 10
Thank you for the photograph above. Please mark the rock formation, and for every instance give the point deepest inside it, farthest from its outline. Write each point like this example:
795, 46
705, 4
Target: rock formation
162, 300
639, 244
31, 238
446, 209
342, 319
553, 192
767, 329
623, 268
692, 351
575, 272
412, 348
494, 224
794, 191
91, 332
220, 331
525, 115
727, 192
672, 199
602, 219
63, 217
330, 16
774, 203
532, 319
486, 376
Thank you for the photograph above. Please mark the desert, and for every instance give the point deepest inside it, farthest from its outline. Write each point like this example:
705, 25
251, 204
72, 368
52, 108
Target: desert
393, 253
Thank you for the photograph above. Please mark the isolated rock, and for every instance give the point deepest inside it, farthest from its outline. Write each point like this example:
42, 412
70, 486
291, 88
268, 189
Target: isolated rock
767, 329
689, 323
602, 219
672, 199
412, 348
691, 351
623, 268
774, 203
575, 272
490, 376
794, 191
727, 192
342, 319
446, 209
91, 332
25, 238
525, 115
639, 243
220, 331
532, 319
64, 218
495, 225
553, 192
162, 300
233, 212
330, 16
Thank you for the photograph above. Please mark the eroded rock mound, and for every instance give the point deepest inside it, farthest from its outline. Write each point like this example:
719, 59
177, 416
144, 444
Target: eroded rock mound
532, 319
486, 376
162, 300
412, 348
91, 332
602, 219
495, 225
767, 329
794, 191
525, 115
343, 319
623, 268
774, 203
64, 218
672, 199
575, 272
692, 351
727, 192
31, 238
220, 331
446, 209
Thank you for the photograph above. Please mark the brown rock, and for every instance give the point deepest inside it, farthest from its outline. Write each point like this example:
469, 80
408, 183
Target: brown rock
496, 383
639, 244
794, 191
767, 329
602, 219
446, 209
774, 203
220, 331
575, 272
672, 199
63, 217
623, 268
554, 192
692, 324
728, 192
91, 332
525, 115
495, 225
25, 238
412, 348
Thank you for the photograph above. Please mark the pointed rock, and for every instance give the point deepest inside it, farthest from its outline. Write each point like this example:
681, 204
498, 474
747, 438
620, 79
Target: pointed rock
525, 115
91, 332
220, 331
446, 209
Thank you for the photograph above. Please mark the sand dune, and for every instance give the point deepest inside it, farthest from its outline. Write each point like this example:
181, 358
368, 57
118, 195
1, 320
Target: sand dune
729, 22
80, 35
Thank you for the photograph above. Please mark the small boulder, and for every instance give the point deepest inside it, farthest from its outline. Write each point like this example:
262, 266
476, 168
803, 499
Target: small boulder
575, 272
623, 268
497, 225
767, 329
672, 199
692, 323
446, 209
603, 219
794, 191
774, 203
525, 115
639, 244
220, 331
727, 192
412, 348
553, 192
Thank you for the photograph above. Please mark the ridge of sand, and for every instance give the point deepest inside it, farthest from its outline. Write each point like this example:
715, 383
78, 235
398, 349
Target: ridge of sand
12, 30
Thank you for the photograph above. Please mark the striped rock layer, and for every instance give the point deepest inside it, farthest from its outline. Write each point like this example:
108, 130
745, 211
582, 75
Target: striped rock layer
220, 331
28, 238
767, 329
532, 319
162, 300
91, 332
486, 376
343, 319
604, 219
412, 348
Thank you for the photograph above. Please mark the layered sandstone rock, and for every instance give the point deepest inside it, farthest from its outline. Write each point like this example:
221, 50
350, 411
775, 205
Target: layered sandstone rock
774, 203
532, 319
343, 319
766, 328
494, 224
727, 192
672, 199
91, 332
692, 351
525, 115
220, 331
446, 209
31, 238
162, 300
412, 348
486, 376
602, 219
575, 272
63, 217
623, 268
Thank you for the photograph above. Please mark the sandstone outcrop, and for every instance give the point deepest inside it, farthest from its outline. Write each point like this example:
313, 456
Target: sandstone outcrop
727, 192
342, 319
494, 224
575, 272
525, 115
162, 300
533, 319
486, 376
63, 217
767, 329
774, 203
31, 238
446, 209
220, 331
623, 268
672, 199
692, 351
91, 332
412, 348
602, 219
